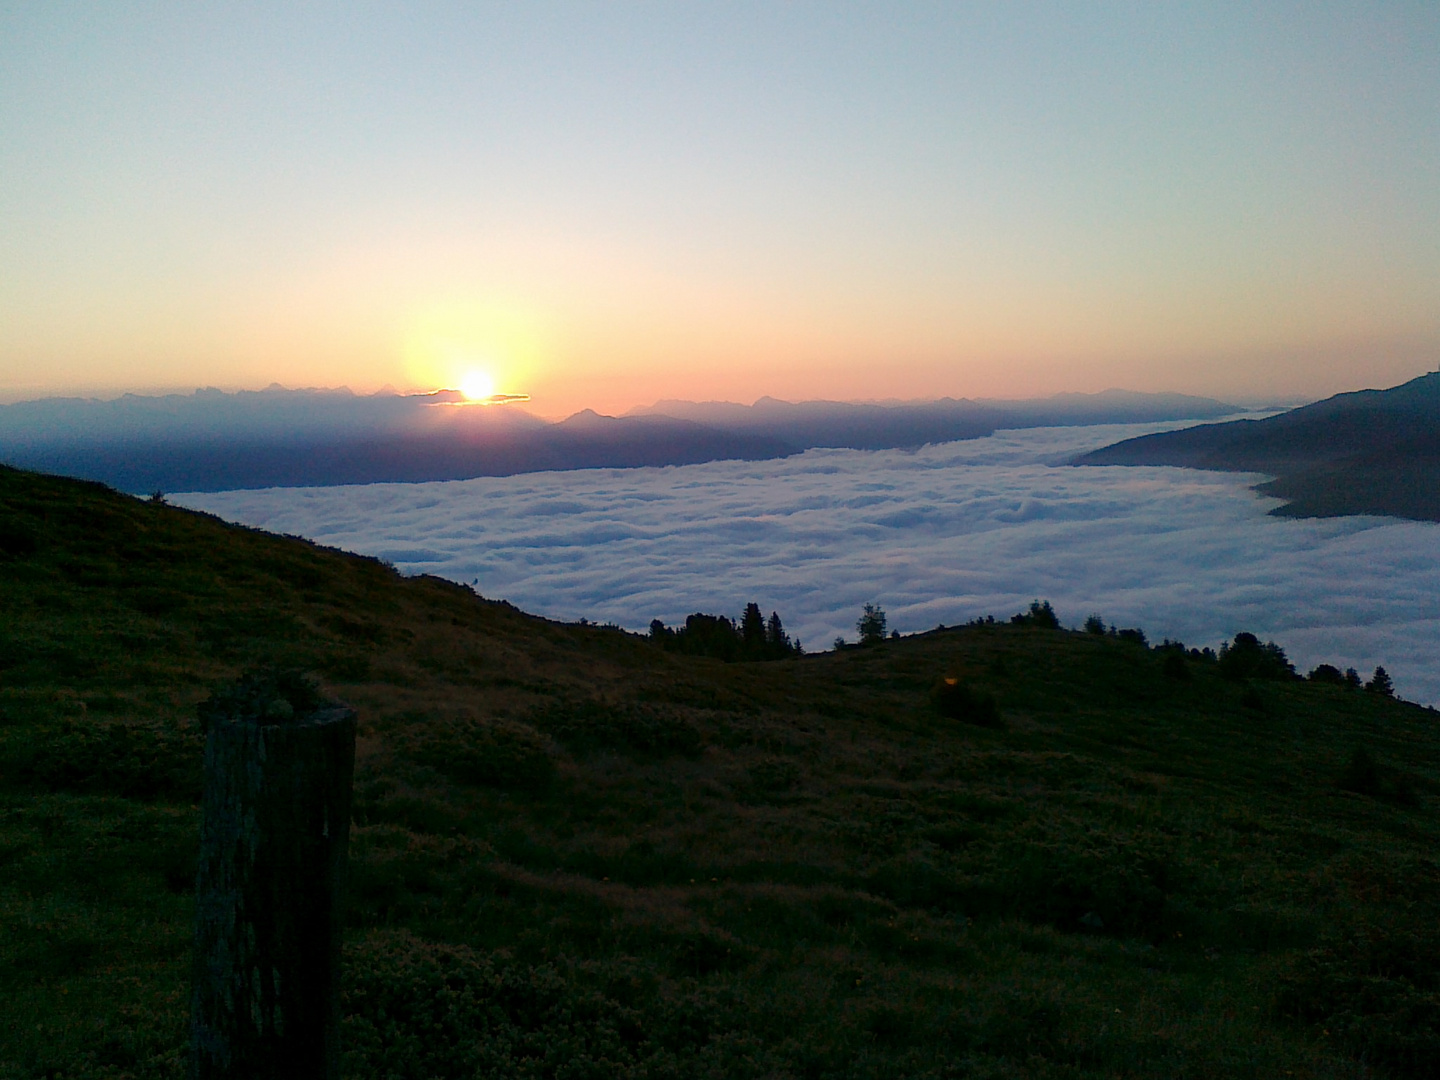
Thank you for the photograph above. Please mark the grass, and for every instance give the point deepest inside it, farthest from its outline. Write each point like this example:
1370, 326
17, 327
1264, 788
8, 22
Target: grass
577, 855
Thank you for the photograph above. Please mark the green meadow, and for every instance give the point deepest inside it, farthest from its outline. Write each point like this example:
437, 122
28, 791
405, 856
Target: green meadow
578, 855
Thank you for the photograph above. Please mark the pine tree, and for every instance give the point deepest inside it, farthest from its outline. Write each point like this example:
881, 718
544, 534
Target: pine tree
871, 625
752, 629
775, 636
1380, 683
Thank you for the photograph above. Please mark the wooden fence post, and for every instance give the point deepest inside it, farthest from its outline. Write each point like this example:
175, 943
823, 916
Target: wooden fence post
269, 895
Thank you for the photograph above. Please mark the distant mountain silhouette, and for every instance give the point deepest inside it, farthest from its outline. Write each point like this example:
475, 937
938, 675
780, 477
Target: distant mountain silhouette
220, 442
214, 441
908, 424
1368, 452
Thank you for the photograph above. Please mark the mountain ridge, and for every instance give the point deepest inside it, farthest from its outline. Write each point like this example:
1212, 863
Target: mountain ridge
1361, 452
211, 441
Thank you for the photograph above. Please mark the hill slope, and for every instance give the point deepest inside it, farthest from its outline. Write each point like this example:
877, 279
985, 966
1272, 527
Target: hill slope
1369, 452
577, 854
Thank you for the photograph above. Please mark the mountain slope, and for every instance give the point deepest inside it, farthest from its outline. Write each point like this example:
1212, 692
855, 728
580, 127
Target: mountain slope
575, 853
1369, 452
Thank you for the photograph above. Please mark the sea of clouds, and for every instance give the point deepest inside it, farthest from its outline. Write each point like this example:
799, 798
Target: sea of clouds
938, 535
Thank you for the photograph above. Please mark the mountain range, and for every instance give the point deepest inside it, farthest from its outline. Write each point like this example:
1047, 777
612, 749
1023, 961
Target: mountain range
215, 441
1367, 452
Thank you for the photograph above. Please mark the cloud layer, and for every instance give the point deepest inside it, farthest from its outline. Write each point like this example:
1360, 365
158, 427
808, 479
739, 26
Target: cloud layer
938, 535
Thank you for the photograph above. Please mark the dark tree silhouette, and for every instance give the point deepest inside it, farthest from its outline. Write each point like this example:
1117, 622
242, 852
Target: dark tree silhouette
775, 636
1328, 674
1380, 683
871, 625
1248, 658
717, 636
1040, 614
752, 630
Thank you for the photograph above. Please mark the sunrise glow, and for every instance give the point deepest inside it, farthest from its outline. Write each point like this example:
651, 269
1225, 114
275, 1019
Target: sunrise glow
477, 386
947, 203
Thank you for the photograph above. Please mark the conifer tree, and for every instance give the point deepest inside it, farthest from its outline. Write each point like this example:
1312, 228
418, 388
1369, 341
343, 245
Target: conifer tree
871, 625
775, 636
752, 629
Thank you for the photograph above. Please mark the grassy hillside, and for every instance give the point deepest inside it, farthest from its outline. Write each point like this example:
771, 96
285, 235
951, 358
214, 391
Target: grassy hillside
577, 855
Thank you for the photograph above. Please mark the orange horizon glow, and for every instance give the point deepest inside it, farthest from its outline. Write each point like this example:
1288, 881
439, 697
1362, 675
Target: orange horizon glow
940, 203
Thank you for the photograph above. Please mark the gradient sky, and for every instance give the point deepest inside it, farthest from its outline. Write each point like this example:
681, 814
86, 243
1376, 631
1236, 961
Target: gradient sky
607, 204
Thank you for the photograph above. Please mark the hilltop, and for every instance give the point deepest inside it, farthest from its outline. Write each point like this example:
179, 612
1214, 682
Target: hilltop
576, 853
1368, 452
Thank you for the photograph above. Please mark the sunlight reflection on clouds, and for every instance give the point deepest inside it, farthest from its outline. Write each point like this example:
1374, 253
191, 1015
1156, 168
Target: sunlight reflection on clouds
941, 534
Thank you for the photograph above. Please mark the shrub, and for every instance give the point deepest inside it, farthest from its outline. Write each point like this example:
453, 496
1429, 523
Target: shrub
415, 1010
957, 701
271, 695
503, 754
774, 775
115, 759
1365, 776
17, 540
1362, 774
1374, 993
597, 725
1174, 665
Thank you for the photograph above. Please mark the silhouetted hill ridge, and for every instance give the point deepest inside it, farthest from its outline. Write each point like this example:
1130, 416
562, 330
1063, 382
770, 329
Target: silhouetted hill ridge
1364, 452
210, 440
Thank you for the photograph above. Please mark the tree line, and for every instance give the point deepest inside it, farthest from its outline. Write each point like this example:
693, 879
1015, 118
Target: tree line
752, 637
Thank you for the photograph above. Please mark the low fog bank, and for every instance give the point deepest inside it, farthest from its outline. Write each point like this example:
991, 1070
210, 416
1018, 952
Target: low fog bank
938, 535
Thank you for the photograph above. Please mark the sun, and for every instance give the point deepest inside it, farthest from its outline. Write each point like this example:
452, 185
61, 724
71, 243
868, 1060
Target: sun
477, 386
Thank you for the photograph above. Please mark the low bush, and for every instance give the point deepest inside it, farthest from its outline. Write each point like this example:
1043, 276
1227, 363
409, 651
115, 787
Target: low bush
1375, 994
1365, 776
637, 729
497, 753
106, 759
415, 1010
957, 701
1175, 666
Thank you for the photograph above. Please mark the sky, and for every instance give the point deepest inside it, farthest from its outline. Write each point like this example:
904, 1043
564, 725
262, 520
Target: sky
607, 204
942, 534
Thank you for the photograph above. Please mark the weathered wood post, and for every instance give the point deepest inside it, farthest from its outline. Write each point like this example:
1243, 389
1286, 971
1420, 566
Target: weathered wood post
269, 892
